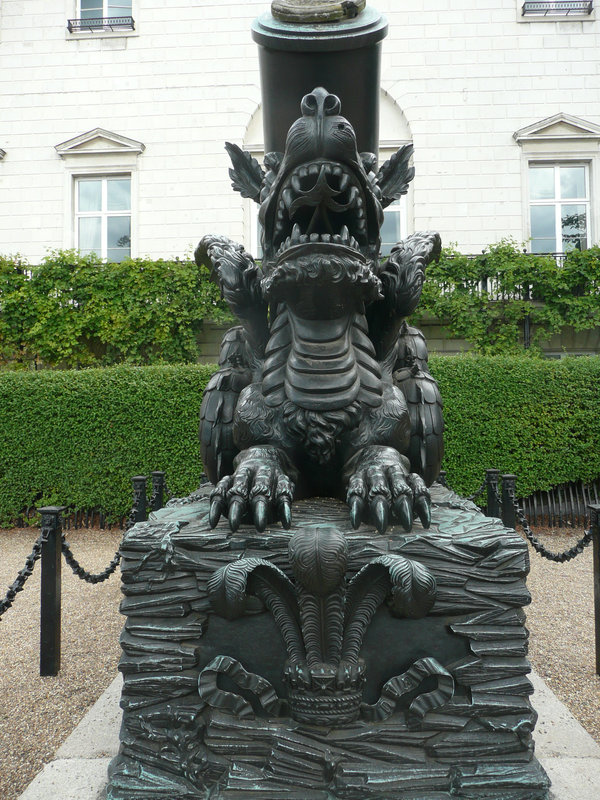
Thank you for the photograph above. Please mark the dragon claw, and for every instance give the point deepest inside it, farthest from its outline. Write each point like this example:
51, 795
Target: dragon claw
381, 489
259, 492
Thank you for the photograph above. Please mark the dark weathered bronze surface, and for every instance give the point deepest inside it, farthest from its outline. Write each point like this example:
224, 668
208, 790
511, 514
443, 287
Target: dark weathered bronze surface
440, 704
333, 661
50, 593
295, 57
325, 391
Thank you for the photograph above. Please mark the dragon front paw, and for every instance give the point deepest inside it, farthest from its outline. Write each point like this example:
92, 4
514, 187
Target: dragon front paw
260, 490
381, 487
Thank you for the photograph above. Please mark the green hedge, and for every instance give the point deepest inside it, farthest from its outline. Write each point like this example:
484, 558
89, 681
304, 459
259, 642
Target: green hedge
538, 419
77, 437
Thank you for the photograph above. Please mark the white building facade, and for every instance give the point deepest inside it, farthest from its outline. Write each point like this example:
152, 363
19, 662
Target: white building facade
112, 133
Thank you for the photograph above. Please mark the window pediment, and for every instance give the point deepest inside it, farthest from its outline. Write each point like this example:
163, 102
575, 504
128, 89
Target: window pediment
99, 142
560, 127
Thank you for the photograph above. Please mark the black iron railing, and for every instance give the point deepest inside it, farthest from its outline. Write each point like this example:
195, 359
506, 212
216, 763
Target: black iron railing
563, 8
101, 24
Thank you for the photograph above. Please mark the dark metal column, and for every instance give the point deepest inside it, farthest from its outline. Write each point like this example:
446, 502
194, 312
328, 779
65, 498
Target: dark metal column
509, 489
50, 600
139, 498
492, 477
595, 528
158, 490
342, 55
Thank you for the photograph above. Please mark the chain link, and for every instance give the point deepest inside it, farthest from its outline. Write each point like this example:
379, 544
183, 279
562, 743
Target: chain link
24, 574
478, 493
82, 573
560, 558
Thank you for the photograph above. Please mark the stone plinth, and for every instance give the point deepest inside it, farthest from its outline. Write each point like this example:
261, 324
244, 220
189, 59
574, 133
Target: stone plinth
445, 708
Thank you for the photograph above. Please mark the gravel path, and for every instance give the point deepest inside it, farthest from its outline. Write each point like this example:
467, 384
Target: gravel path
37, 714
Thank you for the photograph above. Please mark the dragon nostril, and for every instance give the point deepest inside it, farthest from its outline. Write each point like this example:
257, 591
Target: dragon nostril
332, 105
309, 105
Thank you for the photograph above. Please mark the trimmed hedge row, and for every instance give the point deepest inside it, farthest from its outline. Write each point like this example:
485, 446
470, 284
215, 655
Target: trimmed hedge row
77, 437
538, 419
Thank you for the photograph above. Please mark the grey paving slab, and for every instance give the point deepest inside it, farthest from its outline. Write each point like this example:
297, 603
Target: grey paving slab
557, 732
97, 735
573, 778
69, 779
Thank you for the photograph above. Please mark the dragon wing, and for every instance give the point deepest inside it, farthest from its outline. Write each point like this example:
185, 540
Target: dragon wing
246, 174
219, 402
395, 175
425, 407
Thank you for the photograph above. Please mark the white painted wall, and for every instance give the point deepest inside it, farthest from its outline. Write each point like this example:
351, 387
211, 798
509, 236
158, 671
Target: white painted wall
465, 73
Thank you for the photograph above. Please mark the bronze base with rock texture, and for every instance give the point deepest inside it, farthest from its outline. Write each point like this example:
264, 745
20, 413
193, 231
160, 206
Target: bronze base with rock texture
225, 696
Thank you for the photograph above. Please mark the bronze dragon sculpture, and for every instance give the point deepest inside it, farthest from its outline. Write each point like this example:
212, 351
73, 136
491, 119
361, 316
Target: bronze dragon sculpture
323, 389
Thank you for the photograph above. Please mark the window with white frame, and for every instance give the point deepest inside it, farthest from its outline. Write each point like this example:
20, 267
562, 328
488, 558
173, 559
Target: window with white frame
92, 9
103, 216
102, 15
559, 207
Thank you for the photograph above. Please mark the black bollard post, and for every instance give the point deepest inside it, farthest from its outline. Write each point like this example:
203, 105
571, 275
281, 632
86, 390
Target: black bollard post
139, 498
509, 488
595, 528
50, 592
492, 477
158, 490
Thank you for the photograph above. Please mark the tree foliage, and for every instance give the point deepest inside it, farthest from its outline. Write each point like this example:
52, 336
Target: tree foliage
485, 299
77, 311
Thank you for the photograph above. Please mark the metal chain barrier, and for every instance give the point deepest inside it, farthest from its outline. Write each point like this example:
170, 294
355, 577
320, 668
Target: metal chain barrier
479, 492
139, 500
24, 574
560, 558
82, 573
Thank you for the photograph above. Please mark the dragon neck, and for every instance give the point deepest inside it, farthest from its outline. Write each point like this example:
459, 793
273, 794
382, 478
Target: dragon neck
321, 365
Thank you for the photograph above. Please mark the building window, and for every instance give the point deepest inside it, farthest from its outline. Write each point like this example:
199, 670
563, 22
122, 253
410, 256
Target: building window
393, 229
103, 15
559, 207
103, 216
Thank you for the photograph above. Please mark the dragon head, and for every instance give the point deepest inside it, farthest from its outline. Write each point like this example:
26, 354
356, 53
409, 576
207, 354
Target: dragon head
320, 192
321, 201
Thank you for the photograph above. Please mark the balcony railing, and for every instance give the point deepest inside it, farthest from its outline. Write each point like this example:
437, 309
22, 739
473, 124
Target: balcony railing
101, 24
562, 9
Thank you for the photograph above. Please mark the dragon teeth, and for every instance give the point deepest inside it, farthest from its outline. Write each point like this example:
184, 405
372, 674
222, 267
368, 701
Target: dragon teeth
345, 234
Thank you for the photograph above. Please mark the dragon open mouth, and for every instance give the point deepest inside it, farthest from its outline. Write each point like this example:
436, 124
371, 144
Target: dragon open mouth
320, 202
